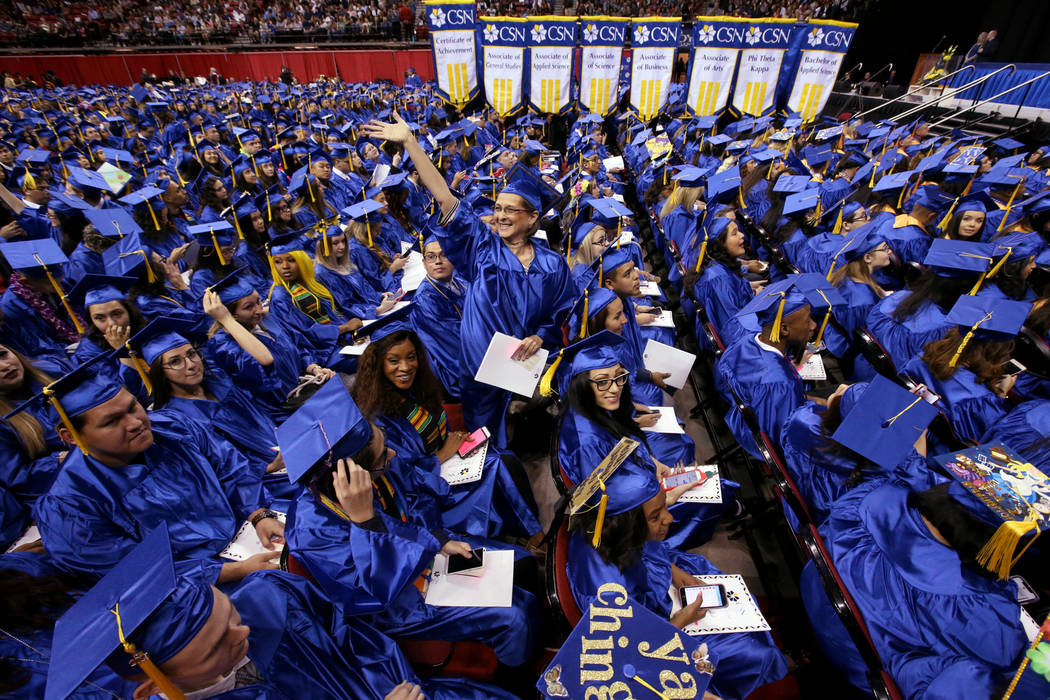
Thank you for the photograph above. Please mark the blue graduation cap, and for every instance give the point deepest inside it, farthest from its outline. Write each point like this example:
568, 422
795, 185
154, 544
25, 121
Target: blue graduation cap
1008, 144
590, 303
791, 183
976, 201
118, 156
930, 197
690, 176
214, 234
722, 187
232, 287
882, 420
598, 351
527, 184
136, 618
361, 211
284, 243
112, 222
951, 258
859, 242
127, 257
986, 318
894, 182
719, 139
158, 336
94, 289
88, 180
771, 305
328, 426
801, 201
35, 258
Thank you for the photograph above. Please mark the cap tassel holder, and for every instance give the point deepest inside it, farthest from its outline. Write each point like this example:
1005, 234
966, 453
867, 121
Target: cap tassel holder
142, 660
77, 440
998, 554
966, 340
774, 334
599, 522
62, 296
140, 366
547, 381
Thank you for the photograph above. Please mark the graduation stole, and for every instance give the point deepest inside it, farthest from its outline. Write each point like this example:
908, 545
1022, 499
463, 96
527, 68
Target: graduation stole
308, 302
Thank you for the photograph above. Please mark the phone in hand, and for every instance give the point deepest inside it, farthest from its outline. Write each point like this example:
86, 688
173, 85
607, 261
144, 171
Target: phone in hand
711, 595
680, 478
924, 391
468, 565
471, 445
1013, 367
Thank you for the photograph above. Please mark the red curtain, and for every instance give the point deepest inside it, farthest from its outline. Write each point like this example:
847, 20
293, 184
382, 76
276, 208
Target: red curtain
124, 69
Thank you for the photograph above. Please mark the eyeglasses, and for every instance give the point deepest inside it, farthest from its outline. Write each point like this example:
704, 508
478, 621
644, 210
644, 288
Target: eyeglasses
499, 209
180, 361
606, 384
434, 257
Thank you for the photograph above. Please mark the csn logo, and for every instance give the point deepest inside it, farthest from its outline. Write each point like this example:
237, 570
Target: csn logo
834, 39
508, 33
604, 33
453, 16
655, 34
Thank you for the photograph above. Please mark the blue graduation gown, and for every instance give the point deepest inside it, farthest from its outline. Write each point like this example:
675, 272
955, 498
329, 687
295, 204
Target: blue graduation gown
860, 298
28, 479
437, 315
746, 660
722, 293
906, 339
943, 631
234, 417
204, 277
368, 264
351, 291
176, 304
766, 381
504, 297
14, 518
27, 331
305, 647
371, 568
970, 406
489, 507
909, 241
202, 488
1024, 429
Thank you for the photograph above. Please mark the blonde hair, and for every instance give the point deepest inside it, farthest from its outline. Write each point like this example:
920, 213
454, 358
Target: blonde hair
330, 261
584, 254
306, 277
28, 428
358, 230
684, 196
858, 271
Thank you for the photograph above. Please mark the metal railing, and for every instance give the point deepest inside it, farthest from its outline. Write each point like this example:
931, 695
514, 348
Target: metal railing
955, 91
921, 86
992, 98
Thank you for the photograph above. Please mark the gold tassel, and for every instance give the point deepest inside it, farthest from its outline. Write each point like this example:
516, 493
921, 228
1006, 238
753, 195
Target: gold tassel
997, 555
966, 340
237, 225
215, 241
838, 220
1009, 205
153, 215
547, 381
65, 302
50, 394
703, 252
948, 217
599, 522
142, 660
140, 366
584, 316
774, 334
368, 229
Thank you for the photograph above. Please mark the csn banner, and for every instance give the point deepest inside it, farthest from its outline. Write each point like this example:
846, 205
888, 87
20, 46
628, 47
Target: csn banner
716, 47
765, 43
451, 24
601, 52
654, 47
503, 61
818, 49
552, 40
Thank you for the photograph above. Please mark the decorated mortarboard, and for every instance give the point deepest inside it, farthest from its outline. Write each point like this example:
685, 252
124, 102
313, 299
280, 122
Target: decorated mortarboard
799, 202
112, 222
791, 183
738, 146
328, 426
1004, 490
527, 184
94, 289
882, 420
232, 287
772, 305
136, 618
828, 133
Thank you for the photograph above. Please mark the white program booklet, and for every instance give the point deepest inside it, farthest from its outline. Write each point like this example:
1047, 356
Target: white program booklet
668, 422
494, 588
246, 543
613, 163
708, 492
29, 536
458, 470
517, 376
413, 272
660, 357
740, 615
651, 289
813, 369
666, 320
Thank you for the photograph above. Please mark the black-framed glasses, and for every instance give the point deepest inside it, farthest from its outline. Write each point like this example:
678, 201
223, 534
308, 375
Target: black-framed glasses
606, 384
500, 209
434, 257
180, 361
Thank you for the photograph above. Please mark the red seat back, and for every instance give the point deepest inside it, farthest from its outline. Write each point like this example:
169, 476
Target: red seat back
558, 565
454, 417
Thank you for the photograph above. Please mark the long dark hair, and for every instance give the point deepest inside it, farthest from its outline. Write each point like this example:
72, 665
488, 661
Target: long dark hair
964, 531
619, 423
931, 288
162, 392
376, 395
1011, 280
623, 535
135, 317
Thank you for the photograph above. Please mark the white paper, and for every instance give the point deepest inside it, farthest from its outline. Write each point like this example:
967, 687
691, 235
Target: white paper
741, 615
30, 535
660, 357
413, 272
626, 237
457, 470
540, 234
1030, 626
708, 492
379, 174
405, 246
614, 163
665, 320
813, 369
398, 305
493, 589
355, 350
651, 289
246, 543
668, 422
518, 376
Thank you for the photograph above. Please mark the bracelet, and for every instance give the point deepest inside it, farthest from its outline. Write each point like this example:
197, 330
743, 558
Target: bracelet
267, 513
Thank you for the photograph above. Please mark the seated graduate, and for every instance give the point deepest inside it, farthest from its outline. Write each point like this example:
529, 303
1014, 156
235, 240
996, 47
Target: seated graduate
110, 318
379, 260
910, 234
760, 370
38, 321
858, 256
185, 388
905, 321
967, 223
267, 376
820, 251
720, 287
128, 474
396, 387
1026, 429
968, 368
365, 528
310, 206
600, 412
276, 636
437, 315
221, 252
618, 534
830, 450
335, 269
928, 571
516, 287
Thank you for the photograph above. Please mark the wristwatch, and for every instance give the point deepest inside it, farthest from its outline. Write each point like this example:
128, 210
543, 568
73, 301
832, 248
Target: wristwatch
266, 513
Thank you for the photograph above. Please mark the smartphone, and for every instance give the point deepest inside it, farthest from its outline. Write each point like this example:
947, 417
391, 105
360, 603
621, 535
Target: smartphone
711, 595
470, 566
924, 391
687, 476
1013, 367
471, 445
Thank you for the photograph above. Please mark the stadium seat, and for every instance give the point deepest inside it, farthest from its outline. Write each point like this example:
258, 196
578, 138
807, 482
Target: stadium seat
559, 591
873, 352
1033, 352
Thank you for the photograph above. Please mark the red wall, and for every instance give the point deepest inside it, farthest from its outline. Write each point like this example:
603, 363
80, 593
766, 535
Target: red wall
124, 69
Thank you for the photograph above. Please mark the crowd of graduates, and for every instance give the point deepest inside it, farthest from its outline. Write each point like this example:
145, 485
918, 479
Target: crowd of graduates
263, 307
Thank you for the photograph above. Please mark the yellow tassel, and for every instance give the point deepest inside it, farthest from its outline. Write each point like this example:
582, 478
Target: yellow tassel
948, 217
838, 220
141, 367
50, 394
153, 215
997, 555
568, 247
774, 334
584, 316
599, 522
547, 381
65, 302
218, 251
703, 252
368, 229
966, 340
1009, 206
823, 325
142, 660
237, 225
29, 182
327, 248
